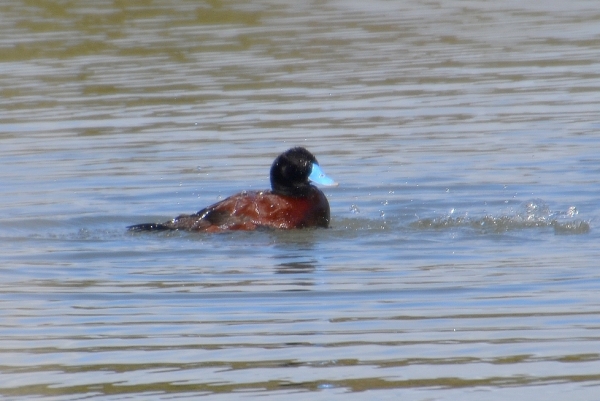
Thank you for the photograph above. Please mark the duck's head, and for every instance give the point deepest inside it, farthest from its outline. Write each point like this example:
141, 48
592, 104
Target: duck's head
293, 170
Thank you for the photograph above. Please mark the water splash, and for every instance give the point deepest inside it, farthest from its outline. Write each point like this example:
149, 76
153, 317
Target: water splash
534, 213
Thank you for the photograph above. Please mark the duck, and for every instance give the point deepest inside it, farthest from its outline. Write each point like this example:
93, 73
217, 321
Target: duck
293, 202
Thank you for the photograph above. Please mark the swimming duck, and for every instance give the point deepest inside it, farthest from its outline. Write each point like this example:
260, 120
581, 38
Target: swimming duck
293, 202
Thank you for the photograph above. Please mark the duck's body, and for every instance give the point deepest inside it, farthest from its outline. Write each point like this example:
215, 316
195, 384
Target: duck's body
292, 203
251, 210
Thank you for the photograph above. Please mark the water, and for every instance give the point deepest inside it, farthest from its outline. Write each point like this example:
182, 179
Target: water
462, 262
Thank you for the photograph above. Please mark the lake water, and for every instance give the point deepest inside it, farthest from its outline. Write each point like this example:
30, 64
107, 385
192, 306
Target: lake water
463, 258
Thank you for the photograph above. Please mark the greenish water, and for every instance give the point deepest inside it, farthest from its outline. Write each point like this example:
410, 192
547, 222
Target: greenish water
462, 261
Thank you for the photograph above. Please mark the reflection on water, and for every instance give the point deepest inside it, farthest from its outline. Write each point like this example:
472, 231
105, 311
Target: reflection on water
464, 138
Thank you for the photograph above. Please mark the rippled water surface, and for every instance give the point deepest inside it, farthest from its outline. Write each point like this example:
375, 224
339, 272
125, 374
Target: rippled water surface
462, 261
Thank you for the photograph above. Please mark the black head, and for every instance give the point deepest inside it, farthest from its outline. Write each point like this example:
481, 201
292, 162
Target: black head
290, 171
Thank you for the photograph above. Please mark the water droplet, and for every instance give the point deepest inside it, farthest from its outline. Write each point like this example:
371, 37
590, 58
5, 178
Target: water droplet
354, 209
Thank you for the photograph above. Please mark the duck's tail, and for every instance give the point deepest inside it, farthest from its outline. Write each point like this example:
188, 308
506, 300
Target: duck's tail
149, 227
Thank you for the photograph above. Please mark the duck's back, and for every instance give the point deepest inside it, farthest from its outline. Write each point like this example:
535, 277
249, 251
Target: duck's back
250, 210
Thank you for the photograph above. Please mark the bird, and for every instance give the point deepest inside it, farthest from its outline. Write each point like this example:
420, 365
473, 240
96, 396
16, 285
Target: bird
291, 203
